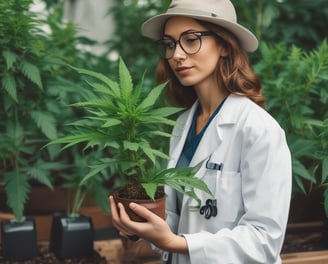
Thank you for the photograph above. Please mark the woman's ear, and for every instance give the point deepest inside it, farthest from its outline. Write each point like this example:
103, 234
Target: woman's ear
225, 51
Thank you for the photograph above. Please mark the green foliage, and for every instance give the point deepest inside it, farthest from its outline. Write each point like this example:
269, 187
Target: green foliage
74, 173
63, 87
181, 179
123, 121
295, 84
21, 88
35, 86
33, 91
294, 77
292, 22
138, 52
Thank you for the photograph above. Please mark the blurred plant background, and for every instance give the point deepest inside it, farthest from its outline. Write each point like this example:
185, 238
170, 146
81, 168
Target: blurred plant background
36, 86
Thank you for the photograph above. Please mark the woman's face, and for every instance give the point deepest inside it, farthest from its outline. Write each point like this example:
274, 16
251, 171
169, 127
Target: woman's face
197, 69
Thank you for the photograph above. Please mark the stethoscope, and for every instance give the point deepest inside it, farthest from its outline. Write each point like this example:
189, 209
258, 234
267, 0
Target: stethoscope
210, 208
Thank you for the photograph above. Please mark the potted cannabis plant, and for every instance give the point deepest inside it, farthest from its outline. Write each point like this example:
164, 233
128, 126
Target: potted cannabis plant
126, 123
22, 125
72, 233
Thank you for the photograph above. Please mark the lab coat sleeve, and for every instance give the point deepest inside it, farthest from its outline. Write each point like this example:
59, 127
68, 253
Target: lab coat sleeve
266, 188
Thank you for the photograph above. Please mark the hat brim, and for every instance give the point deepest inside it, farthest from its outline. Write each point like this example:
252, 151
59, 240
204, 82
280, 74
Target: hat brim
153, 28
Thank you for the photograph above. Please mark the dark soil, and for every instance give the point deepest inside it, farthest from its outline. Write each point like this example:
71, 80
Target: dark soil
296, 240
46, 257
304, 240
134, 191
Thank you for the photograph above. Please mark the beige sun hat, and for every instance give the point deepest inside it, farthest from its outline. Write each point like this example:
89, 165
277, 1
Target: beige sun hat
219, 12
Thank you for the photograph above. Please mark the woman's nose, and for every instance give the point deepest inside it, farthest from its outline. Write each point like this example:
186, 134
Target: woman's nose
179, 52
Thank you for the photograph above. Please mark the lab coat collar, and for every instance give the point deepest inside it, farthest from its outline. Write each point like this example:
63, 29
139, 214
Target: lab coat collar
213, 137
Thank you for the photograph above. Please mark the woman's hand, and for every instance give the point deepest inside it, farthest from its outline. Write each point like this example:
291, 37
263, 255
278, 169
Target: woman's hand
155, 229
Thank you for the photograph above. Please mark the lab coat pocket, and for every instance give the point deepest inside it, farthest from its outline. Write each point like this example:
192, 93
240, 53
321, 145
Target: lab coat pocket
229, 197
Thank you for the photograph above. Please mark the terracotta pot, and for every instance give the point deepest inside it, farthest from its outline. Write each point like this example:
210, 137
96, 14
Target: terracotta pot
156, 206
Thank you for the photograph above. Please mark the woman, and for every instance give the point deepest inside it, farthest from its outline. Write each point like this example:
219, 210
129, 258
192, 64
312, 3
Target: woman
247, 161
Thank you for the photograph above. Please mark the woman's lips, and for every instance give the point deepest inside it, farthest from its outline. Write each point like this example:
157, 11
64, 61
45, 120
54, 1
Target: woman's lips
182, 70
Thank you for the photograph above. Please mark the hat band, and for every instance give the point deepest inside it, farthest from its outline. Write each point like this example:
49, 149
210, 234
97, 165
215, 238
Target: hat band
184, 11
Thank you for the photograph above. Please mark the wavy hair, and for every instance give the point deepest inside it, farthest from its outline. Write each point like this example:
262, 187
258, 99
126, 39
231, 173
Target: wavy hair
234, 73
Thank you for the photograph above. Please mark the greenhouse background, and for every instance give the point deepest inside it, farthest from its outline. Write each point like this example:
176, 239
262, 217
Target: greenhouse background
39, 39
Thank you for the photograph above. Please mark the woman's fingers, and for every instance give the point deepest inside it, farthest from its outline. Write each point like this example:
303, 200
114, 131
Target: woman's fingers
117, 213
143, 212
155, 229
113, 208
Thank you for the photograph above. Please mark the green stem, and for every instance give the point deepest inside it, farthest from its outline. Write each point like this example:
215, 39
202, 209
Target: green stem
79, 198
75, 209
18, 212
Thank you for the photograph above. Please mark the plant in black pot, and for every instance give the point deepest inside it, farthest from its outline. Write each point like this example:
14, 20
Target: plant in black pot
128, 124
24, 123
72, 233
18, 235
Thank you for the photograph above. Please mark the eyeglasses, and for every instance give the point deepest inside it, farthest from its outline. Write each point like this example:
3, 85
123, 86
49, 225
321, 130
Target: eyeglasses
190, 42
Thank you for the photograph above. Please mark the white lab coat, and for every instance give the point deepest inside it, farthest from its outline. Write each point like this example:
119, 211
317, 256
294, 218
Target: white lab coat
252, 190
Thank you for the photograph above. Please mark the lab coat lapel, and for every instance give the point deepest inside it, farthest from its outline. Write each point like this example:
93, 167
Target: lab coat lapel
214, 134
179, 137
219, 130
209, 142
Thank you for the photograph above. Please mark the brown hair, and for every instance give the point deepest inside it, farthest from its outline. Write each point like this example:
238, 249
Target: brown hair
234, 73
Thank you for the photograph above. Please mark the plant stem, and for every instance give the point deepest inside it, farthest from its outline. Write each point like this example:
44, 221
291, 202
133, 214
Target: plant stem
79, 198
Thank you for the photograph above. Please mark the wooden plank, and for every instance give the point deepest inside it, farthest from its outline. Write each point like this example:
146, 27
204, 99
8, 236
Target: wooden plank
318, 225
116, 252
312, 257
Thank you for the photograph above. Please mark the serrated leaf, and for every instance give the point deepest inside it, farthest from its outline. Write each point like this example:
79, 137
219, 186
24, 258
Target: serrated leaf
93, 172
110, 83
160, 133
111, 122
149, 152
299, 183
17, 189
31, 72
152, 96
9, 84
100, 194
130, 145
46, 122
137, 92
300, 169
150, 189
324, 170
91, 139
165, 111
126, 83
100, 88
301, 147
41, 175
10, 58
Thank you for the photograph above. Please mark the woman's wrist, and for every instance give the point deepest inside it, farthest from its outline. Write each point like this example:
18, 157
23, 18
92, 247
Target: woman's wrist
178, 244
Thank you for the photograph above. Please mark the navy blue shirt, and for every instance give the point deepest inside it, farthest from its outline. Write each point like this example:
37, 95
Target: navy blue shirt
193, 139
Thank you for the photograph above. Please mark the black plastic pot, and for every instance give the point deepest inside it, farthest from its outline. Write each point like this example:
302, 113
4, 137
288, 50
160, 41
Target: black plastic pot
71, 237
19, 240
